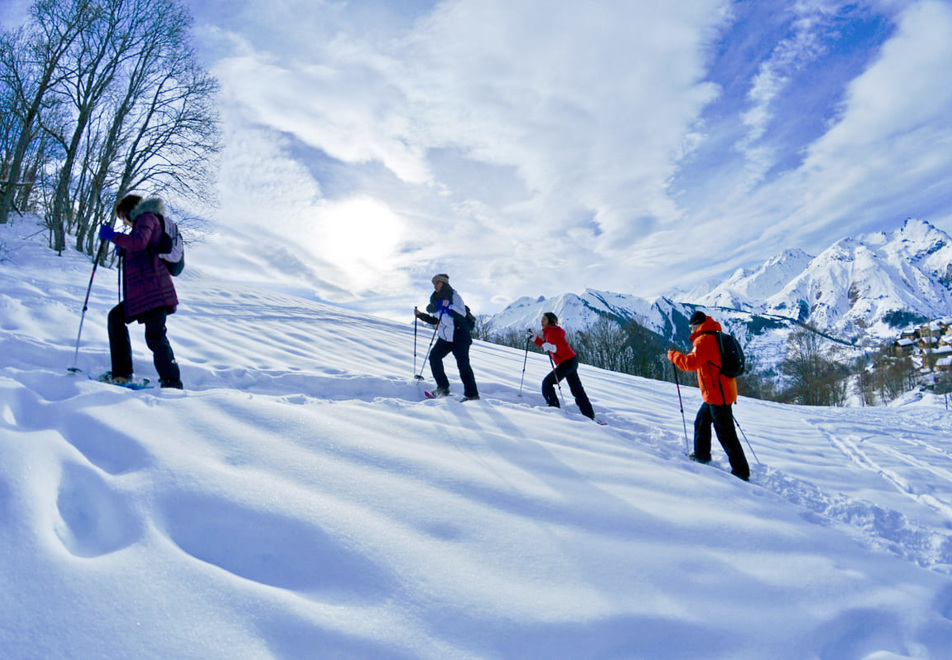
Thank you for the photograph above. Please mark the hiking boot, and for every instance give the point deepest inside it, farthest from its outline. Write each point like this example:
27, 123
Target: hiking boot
469, 397
697, 459
174, 384
441, 391
115, 380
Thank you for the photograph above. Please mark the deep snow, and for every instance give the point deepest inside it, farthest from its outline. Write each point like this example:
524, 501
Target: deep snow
299, 499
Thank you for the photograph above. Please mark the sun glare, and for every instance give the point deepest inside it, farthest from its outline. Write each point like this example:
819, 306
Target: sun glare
361, 237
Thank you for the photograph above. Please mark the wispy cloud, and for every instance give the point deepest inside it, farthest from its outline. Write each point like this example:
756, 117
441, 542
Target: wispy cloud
813, 26
529, 147
888, 152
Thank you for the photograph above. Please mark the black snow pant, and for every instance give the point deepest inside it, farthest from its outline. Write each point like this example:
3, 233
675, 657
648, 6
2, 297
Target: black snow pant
460, 350
723, 419
568, 370
120, 348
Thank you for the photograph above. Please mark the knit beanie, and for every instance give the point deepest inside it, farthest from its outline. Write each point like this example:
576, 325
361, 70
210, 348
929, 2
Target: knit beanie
441, 277
697, 318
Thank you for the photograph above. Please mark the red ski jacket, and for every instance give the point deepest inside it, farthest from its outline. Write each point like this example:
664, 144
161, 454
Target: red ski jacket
555, 335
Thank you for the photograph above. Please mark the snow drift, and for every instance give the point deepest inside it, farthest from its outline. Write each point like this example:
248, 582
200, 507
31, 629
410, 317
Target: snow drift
299, 499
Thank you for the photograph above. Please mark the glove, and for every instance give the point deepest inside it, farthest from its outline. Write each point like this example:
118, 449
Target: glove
445, 304
106, 233
530, 333
671, 354
549, 348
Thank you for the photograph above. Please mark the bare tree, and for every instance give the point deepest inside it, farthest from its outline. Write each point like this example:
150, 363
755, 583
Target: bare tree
111, 99
159, 127
893, 377
31, 65
602, 345
178, 136
815, 379
95, 58
646, 354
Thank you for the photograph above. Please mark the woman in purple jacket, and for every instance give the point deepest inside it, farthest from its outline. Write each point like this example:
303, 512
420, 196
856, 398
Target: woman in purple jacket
148, 294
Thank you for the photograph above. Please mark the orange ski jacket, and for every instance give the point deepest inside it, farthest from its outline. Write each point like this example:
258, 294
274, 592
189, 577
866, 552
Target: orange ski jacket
705, 359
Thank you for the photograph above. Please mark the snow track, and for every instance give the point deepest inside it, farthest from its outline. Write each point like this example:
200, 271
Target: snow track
299, 498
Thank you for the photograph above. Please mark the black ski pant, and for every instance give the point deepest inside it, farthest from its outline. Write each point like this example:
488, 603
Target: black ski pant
567, 370
120, 348
460, 350
722, 418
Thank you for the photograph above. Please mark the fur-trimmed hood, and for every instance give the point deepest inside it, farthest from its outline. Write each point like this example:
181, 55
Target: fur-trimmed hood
152, 205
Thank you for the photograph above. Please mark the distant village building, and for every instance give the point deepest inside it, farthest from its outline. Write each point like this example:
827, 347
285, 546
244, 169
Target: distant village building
905, 346
931, 343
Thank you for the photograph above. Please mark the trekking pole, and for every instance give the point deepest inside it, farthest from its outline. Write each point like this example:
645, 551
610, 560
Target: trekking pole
557, 383
746, 440
414, 343
681, 403
102, 246
419, 376
524, 361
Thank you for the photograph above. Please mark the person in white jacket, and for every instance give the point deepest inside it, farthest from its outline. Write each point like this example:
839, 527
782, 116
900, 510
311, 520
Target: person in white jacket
448, 312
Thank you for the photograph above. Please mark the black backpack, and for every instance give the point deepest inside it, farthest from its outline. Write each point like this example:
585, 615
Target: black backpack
733, 362
470, 320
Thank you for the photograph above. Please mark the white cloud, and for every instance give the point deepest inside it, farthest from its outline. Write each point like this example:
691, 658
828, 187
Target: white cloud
893, 141
529, 147
887, 154
588, 110
811, 27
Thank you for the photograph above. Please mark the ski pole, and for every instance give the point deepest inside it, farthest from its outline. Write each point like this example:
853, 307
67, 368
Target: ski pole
557, 383
681, 403
524, 361
102, 245
414, 342
746, 440
419, 376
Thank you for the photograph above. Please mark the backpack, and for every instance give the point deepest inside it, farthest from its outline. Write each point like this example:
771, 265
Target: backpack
733, 362
470, 320
171, 247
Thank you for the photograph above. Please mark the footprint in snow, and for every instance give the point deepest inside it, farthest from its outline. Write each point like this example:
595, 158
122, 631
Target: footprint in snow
108, 449
94, 519
274, 550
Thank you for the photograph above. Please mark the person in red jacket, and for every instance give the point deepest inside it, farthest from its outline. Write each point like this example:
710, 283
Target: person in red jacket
148, 294
566, 364
718, 391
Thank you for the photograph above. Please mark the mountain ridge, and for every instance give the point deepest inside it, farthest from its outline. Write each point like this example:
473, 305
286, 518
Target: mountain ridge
858, 292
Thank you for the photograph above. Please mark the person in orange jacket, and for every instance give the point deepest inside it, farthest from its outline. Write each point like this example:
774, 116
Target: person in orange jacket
718, 391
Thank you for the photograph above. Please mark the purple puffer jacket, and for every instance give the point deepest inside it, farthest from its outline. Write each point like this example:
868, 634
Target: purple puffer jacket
147, 283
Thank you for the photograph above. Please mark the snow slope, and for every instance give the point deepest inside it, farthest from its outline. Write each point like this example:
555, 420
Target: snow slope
299, 499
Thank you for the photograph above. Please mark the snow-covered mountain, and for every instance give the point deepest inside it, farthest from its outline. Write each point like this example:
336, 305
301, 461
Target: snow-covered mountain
864, 286
578, 312
858, 290
746, 286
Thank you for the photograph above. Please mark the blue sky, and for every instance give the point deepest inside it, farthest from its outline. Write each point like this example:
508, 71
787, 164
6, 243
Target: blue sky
536, 148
